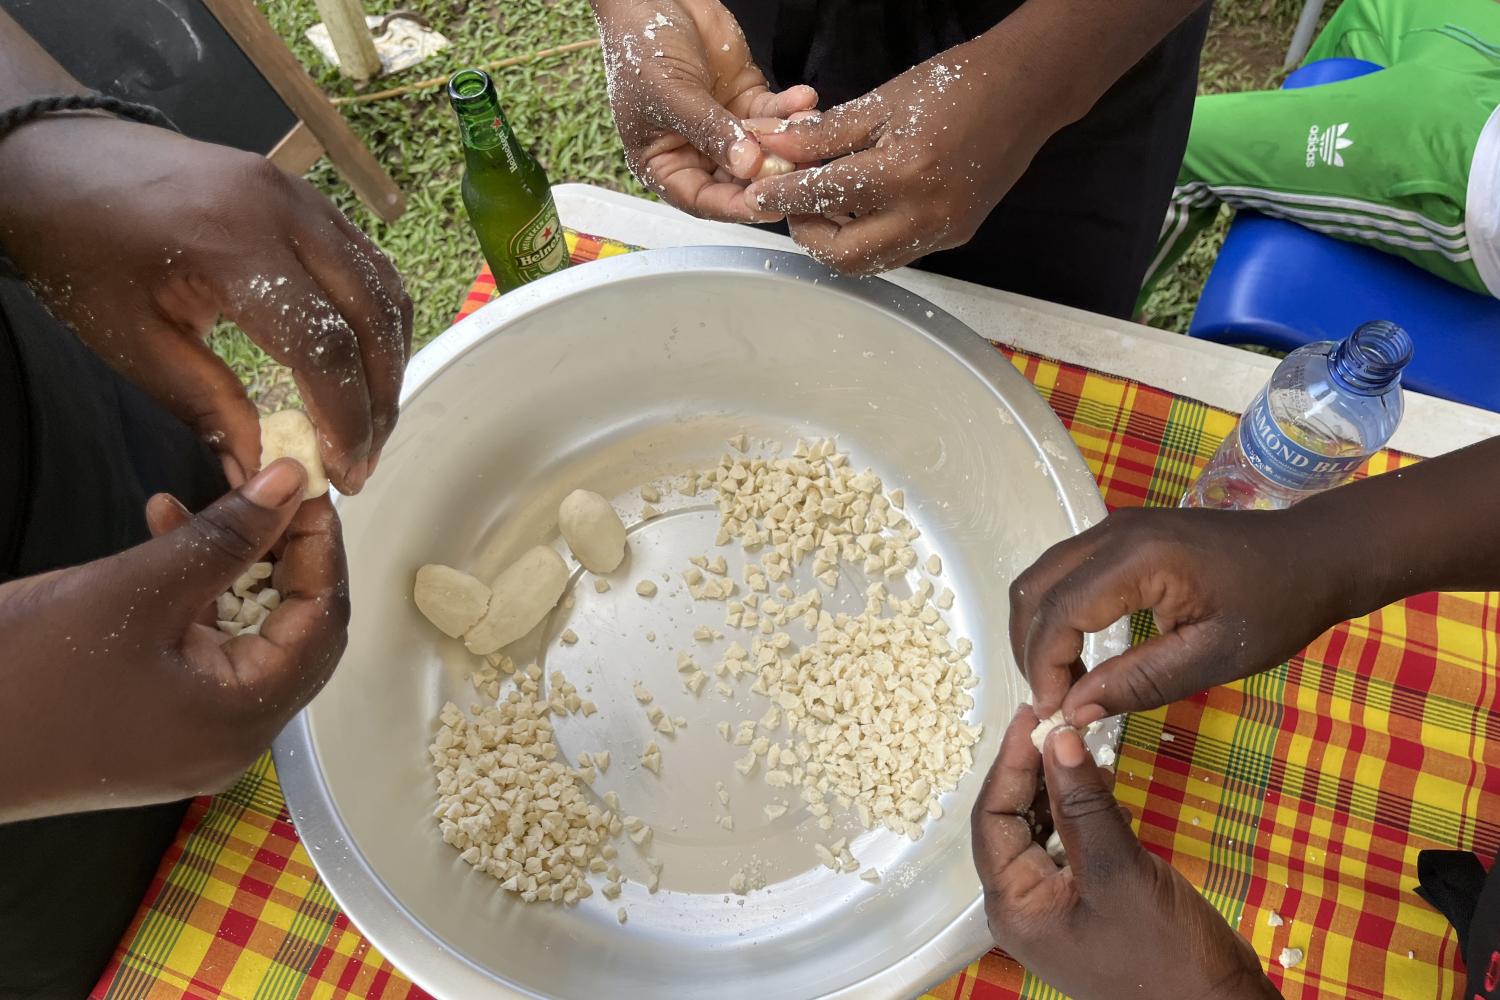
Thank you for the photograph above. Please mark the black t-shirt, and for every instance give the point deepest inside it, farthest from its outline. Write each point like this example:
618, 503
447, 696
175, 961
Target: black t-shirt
81, 449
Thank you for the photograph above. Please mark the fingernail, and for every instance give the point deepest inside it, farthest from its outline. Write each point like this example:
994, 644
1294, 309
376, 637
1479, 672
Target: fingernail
1067, 746
234, 473
1088, 715
277, 483
743, 157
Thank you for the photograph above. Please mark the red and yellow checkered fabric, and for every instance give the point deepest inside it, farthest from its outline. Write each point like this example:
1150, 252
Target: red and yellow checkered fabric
1307, 790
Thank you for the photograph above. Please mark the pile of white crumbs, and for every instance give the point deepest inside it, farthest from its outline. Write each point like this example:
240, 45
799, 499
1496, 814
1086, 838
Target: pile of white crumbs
868, 715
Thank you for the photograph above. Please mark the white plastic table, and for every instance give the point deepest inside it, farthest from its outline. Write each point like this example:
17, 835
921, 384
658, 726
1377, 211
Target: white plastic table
1221, 376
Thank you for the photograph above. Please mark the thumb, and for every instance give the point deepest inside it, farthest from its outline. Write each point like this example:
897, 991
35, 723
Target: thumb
1094, 830
692, 112
201, 557
845, 129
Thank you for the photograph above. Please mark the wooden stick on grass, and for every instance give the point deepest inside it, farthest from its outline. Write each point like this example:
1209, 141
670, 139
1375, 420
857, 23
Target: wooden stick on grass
438, 81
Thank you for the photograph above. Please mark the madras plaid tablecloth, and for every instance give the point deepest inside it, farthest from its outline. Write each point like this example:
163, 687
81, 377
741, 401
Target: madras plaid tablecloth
1306, 791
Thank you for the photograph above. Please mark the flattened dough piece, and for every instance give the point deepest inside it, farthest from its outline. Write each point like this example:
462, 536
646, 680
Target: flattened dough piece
289, 434
592, 530
450, 598
520, 597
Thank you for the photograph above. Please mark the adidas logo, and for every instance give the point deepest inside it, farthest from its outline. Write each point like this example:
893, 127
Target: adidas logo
1326, 145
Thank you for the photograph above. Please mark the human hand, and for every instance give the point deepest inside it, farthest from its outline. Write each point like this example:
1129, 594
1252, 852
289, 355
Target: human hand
121, 691
1117, 920
917, 164
1233, 593
681, 83
141, 239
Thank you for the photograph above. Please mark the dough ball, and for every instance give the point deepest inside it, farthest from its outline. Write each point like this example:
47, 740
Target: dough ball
451, 599
289, 434
771, 165
592, 530
520, 598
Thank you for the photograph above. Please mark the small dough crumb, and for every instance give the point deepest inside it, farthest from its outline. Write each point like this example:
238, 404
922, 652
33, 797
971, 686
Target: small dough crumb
600, 585
1273, 919
935, 564
870, 875
646, 588
569, 637
1290, 958
1055, 849
621, 915
650, 493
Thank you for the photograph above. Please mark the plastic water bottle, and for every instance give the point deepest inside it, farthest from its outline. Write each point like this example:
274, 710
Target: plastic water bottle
1328, 407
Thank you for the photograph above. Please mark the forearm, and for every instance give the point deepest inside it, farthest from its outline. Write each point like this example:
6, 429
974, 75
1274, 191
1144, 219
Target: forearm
1433, 526
1075, 50
26, 70
37, 744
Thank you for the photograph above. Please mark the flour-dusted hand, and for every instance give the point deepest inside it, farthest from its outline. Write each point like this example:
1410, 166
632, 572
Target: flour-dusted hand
681, 84
1116, 920
916, 165
141, 239
123, 652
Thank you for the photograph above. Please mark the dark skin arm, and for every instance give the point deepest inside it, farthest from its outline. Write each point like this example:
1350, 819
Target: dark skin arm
919, 162
118, 689
1117, 920
1237, 592
141, 239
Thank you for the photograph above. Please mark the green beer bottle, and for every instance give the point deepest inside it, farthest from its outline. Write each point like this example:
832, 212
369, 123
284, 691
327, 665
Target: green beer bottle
506, 191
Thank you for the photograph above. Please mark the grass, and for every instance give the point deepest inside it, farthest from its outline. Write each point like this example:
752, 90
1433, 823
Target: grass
558, 108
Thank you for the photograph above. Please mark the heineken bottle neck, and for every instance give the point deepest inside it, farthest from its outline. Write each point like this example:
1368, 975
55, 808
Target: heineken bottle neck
488, 140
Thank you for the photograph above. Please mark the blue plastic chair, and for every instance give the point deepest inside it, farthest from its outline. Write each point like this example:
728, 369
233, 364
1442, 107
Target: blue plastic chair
1280, 286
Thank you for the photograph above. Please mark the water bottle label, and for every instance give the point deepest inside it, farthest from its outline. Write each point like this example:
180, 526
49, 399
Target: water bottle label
1283, 461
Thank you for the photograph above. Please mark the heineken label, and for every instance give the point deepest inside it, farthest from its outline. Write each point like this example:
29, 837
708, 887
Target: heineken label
539, 247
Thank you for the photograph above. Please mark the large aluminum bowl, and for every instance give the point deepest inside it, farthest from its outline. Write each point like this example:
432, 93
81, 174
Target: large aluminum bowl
609, 375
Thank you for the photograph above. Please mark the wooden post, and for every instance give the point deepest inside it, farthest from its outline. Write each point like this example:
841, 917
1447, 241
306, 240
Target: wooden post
254, 34
352, 41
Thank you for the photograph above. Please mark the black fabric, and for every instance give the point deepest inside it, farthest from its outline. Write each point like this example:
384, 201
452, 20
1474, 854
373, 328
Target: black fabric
1451, 882
1081, 225
80, 451
1456, 884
